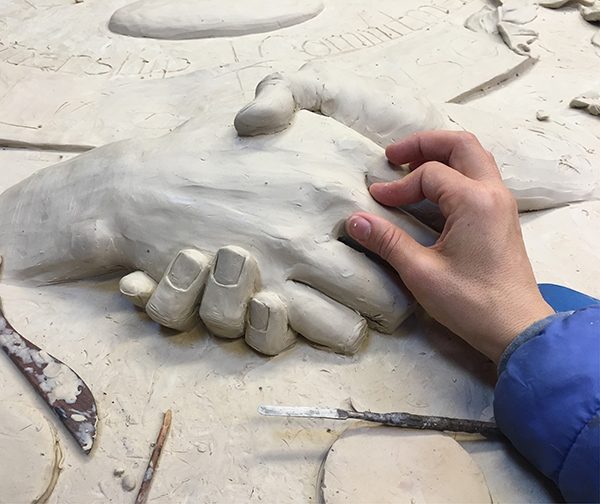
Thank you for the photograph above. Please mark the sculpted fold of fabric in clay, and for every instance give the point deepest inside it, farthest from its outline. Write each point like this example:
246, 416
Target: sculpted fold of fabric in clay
542, 171
195, 19
557, 4
281, 200
506, 20
591, 13
589, 9
589, 101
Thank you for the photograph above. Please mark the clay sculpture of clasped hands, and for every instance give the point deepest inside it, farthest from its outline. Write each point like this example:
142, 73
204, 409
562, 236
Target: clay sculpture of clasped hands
225, 291
244, 234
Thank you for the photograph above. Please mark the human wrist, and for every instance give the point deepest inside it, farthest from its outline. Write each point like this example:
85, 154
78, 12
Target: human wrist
518, 320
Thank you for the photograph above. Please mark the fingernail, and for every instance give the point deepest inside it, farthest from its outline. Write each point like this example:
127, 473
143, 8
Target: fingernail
259, 315
184, 271
359, 228
229, 267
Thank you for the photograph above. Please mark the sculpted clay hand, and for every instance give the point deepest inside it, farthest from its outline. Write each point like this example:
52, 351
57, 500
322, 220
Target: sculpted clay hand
542, 171
476, 280
178, 300
270, 209
381, 110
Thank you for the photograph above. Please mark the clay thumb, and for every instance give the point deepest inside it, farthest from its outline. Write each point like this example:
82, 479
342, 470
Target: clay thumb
271, 110
389, 242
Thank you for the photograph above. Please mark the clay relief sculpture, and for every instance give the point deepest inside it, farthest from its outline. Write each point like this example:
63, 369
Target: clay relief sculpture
507, 20
541, 170
195, 19
589, 9
245, 225
248, 228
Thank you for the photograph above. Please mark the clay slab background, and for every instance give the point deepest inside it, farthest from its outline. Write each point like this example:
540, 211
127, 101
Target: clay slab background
219, 449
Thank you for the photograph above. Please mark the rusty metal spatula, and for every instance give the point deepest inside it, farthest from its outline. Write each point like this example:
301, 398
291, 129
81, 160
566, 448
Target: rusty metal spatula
396, 419
60, 387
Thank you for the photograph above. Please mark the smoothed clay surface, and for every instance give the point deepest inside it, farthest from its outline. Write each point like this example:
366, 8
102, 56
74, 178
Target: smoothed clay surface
36, 458
387, 465
196, 19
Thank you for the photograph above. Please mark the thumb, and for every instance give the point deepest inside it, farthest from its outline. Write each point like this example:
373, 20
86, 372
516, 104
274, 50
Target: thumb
271, 110
391, 243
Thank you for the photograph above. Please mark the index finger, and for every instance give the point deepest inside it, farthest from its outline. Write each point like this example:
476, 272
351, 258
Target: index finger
458, 149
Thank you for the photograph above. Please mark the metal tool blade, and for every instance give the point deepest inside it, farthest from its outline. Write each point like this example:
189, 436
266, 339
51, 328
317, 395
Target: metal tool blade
394, 419
58, 385
303, 411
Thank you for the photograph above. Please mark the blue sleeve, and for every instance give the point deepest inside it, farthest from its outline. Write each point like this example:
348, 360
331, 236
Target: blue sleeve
547, 400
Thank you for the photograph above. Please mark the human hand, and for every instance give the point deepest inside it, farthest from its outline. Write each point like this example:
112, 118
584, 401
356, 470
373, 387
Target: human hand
541, 170
135, 205
476, 279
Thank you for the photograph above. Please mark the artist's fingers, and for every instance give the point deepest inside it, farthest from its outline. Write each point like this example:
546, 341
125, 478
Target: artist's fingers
392, 244
270, 111
354, 280
458, 149
433, 181
324, 321
231, 284
174, 302
137, 287
267, 329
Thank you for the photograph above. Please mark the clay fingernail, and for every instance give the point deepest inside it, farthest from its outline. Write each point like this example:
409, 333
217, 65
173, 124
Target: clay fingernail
228, 268
184, 270
359, 228
259, 315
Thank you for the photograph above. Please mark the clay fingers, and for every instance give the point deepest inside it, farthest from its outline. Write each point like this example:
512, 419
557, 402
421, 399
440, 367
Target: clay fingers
231, 284
174, 300
358, 282
224, 294
267, 329
324, 321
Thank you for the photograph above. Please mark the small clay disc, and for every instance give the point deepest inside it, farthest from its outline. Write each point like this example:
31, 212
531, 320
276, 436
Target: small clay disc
386, 465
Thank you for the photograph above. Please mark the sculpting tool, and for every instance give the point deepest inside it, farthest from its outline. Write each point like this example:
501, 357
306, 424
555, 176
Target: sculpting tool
142, 496
58, 385
396, 419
